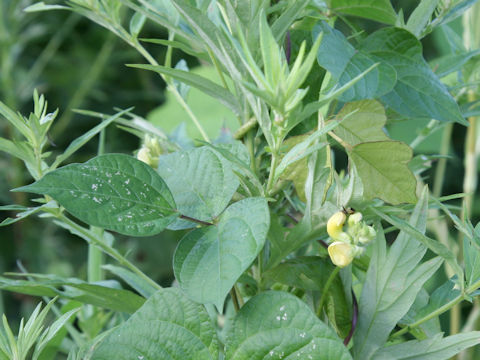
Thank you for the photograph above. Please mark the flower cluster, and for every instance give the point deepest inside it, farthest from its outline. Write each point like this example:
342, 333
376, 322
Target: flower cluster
348, 244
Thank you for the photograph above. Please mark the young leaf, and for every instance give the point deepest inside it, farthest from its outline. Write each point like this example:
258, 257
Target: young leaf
393, 281
208, 261
421, 16
167, 326
201, 180
113, 191
383, 168
436, 348
361, 121
279, 325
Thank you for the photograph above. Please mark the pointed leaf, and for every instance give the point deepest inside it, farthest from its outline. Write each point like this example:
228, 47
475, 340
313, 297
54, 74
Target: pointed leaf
113, 191
208, 261
278, 325
167, 326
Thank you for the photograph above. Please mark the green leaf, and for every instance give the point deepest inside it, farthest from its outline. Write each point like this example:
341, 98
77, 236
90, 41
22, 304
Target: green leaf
86, 137
421, 16
279, 325
26, 212
113, 191
75, 289
417, 92
167, 326
363, 121
378, 10
203, 84
201, 180
393, 281
345, 63
208, 261
41, 6
434, 245
436, 348
287, 18
310, 273
383, 169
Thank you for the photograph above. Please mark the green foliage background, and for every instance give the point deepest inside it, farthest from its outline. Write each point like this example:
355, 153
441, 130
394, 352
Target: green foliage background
78, 65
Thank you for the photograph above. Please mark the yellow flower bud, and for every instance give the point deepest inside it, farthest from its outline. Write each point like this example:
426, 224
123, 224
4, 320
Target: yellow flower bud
341, 253
335, 224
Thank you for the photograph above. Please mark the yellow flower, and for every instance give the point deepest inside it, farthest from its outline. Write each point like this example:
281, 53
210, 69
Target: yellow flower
341, 253
335, 225
144, 155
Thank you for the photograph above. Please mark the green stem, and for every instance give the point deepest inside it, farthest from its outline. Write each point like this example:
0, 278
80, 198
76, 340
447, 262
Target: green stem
271, 175
233, 294
440, 310
442, 162
432, 315
323, 298
92, 238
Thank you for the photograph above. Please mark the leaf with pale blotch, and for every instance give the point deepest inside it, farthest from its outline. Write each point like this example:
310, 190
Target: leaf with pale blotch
361, 121
113, 191
167, 326
278, 325
208, 261
383, 168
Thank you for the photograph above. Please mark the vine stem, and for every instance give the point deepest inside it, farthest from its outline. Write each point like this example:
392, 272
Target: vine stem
323, 298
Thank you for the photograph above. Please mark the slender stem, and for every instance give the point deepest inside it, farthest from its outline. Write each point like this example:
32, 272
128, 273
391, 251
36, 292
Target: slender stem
442, 162
173, 89
323, 298
271, 175
201, 222
95, 255
233, 294
422, 136
92, 238
432, 315
440, 310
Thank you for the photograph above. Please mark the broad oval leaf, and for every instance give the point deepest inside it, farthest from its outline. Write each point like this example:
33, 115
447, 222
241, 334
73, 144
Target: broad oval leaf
167, 326
278, 325
113, 191
345, 63
383, 168
201, 180
417, 92
208, 261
